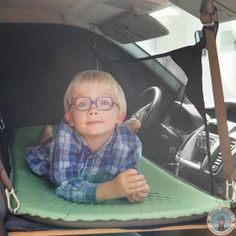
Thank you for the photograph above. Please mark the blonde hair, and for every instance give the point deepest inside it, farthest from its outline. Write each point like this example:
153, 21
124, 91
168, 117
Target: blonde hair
91, 76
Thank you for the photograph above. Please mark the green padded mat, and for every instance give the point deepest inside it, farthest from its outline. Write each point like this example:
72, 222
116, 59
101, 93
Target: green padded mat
170, 199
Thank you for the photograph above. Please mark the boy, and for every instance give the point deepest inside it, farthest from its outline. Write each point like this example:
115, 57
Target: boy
93, 157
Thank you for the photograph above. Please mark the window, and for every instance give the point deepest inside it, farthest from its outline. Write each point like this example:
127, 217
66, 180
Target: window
182, 27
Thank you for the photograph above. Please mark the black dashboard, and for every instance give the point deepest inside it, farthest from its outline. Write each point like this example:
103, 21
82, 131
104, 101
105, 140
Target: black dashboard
183, 119
193, 162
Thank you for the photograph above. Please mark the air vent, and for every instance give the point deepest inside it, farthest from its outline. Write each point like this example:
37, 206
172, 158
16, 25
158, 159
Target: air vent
201, 143
217, 164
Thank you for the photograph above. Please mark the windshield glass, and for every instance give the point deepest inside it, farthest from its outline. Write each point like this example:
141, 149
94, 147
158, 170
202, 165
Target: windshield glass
183, 29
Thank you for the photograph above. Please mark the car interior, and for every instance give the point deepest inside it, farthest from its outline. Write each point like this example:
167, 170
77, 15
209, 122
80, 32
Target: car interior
43, 45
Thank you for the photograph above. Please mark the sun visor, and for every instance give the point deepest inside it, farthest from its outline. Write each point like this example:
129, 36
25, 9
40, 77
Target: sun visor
130, 28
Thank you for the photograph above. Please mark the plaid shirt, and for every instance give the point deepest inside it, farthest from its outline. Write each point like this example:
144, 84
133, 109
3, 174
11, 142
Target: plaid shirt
75, 171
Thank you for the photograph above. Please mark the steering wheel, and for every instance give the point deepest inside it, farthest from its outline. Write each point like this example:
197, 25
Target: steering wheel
150, 112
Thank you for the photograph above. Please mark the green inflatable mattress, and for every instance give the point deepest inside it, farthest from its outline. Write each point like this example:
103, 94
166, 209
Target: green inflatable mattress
171, 200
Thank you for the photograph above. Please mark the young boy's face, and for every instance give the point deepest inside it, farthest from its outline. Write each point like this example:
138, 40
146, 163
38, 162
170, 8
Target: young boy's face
94, 122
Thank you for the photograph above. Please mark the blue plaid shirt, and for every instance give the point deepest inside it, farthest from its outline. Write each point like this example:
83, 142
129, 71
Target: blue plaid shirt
75, 171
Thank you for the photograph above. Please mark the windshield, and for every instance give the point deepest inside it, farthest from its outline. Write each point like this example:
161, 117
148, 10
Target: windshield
183, 29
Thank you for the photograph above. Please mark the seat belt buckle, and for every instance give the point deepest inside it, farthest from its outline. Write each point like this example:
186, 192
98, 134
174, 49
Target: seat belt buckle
230, 192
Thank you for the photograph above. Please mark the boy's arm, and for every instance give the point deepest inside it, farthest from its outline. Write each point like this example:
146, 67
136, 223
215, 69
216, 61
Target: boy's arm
77, 190
132, 161
124, 184
37, 158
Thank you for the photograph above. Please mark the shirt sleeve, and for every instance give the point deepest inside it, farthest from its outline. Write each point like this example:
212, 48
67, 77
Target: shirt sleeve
37, 158
133, 156
66, 169
77, 190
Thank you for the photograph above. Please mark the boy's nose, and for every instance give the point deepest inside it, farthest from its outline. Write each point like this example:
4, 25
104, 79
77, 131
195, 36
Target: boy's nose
93, 109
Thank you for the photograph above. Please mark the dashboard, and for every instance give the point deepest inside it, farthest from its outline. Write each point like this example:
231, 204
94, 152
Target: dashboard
183, 119
185, 132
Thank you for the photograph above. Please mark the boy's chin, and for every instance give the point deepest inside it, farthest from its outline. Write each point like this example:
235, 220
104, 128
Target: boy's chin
98, 132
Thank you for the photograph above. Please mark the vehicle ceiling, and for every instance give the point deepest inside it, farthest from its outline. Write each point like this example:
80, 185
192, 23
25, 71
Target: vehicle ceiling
129, 17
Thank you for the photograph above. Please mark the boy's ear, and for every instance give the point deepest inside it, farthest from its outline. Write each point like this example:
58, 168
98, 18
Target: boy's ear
121, 118
68, 118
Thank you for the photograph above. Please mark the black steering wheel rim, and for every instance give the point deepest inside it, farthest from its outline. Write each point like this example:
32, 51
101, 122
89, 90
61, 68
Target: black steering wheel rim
149, 113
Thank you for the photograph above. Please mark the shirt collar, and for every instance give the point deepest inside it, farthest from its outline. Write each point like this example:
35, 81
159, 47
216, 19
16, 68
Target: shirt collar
81, 139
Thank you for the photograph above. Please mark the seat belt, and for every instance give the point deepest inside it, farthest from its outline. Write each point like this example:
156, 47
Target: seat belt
210, 23
13, 203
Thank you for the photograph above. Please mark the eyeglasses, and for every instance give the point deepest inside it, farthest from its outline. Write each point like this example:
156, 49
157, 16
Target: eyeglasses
104, 103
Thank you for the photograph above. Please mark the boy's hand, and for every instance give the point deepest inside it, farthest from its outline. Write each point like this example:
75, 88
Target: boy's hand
138, 197
127, 183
